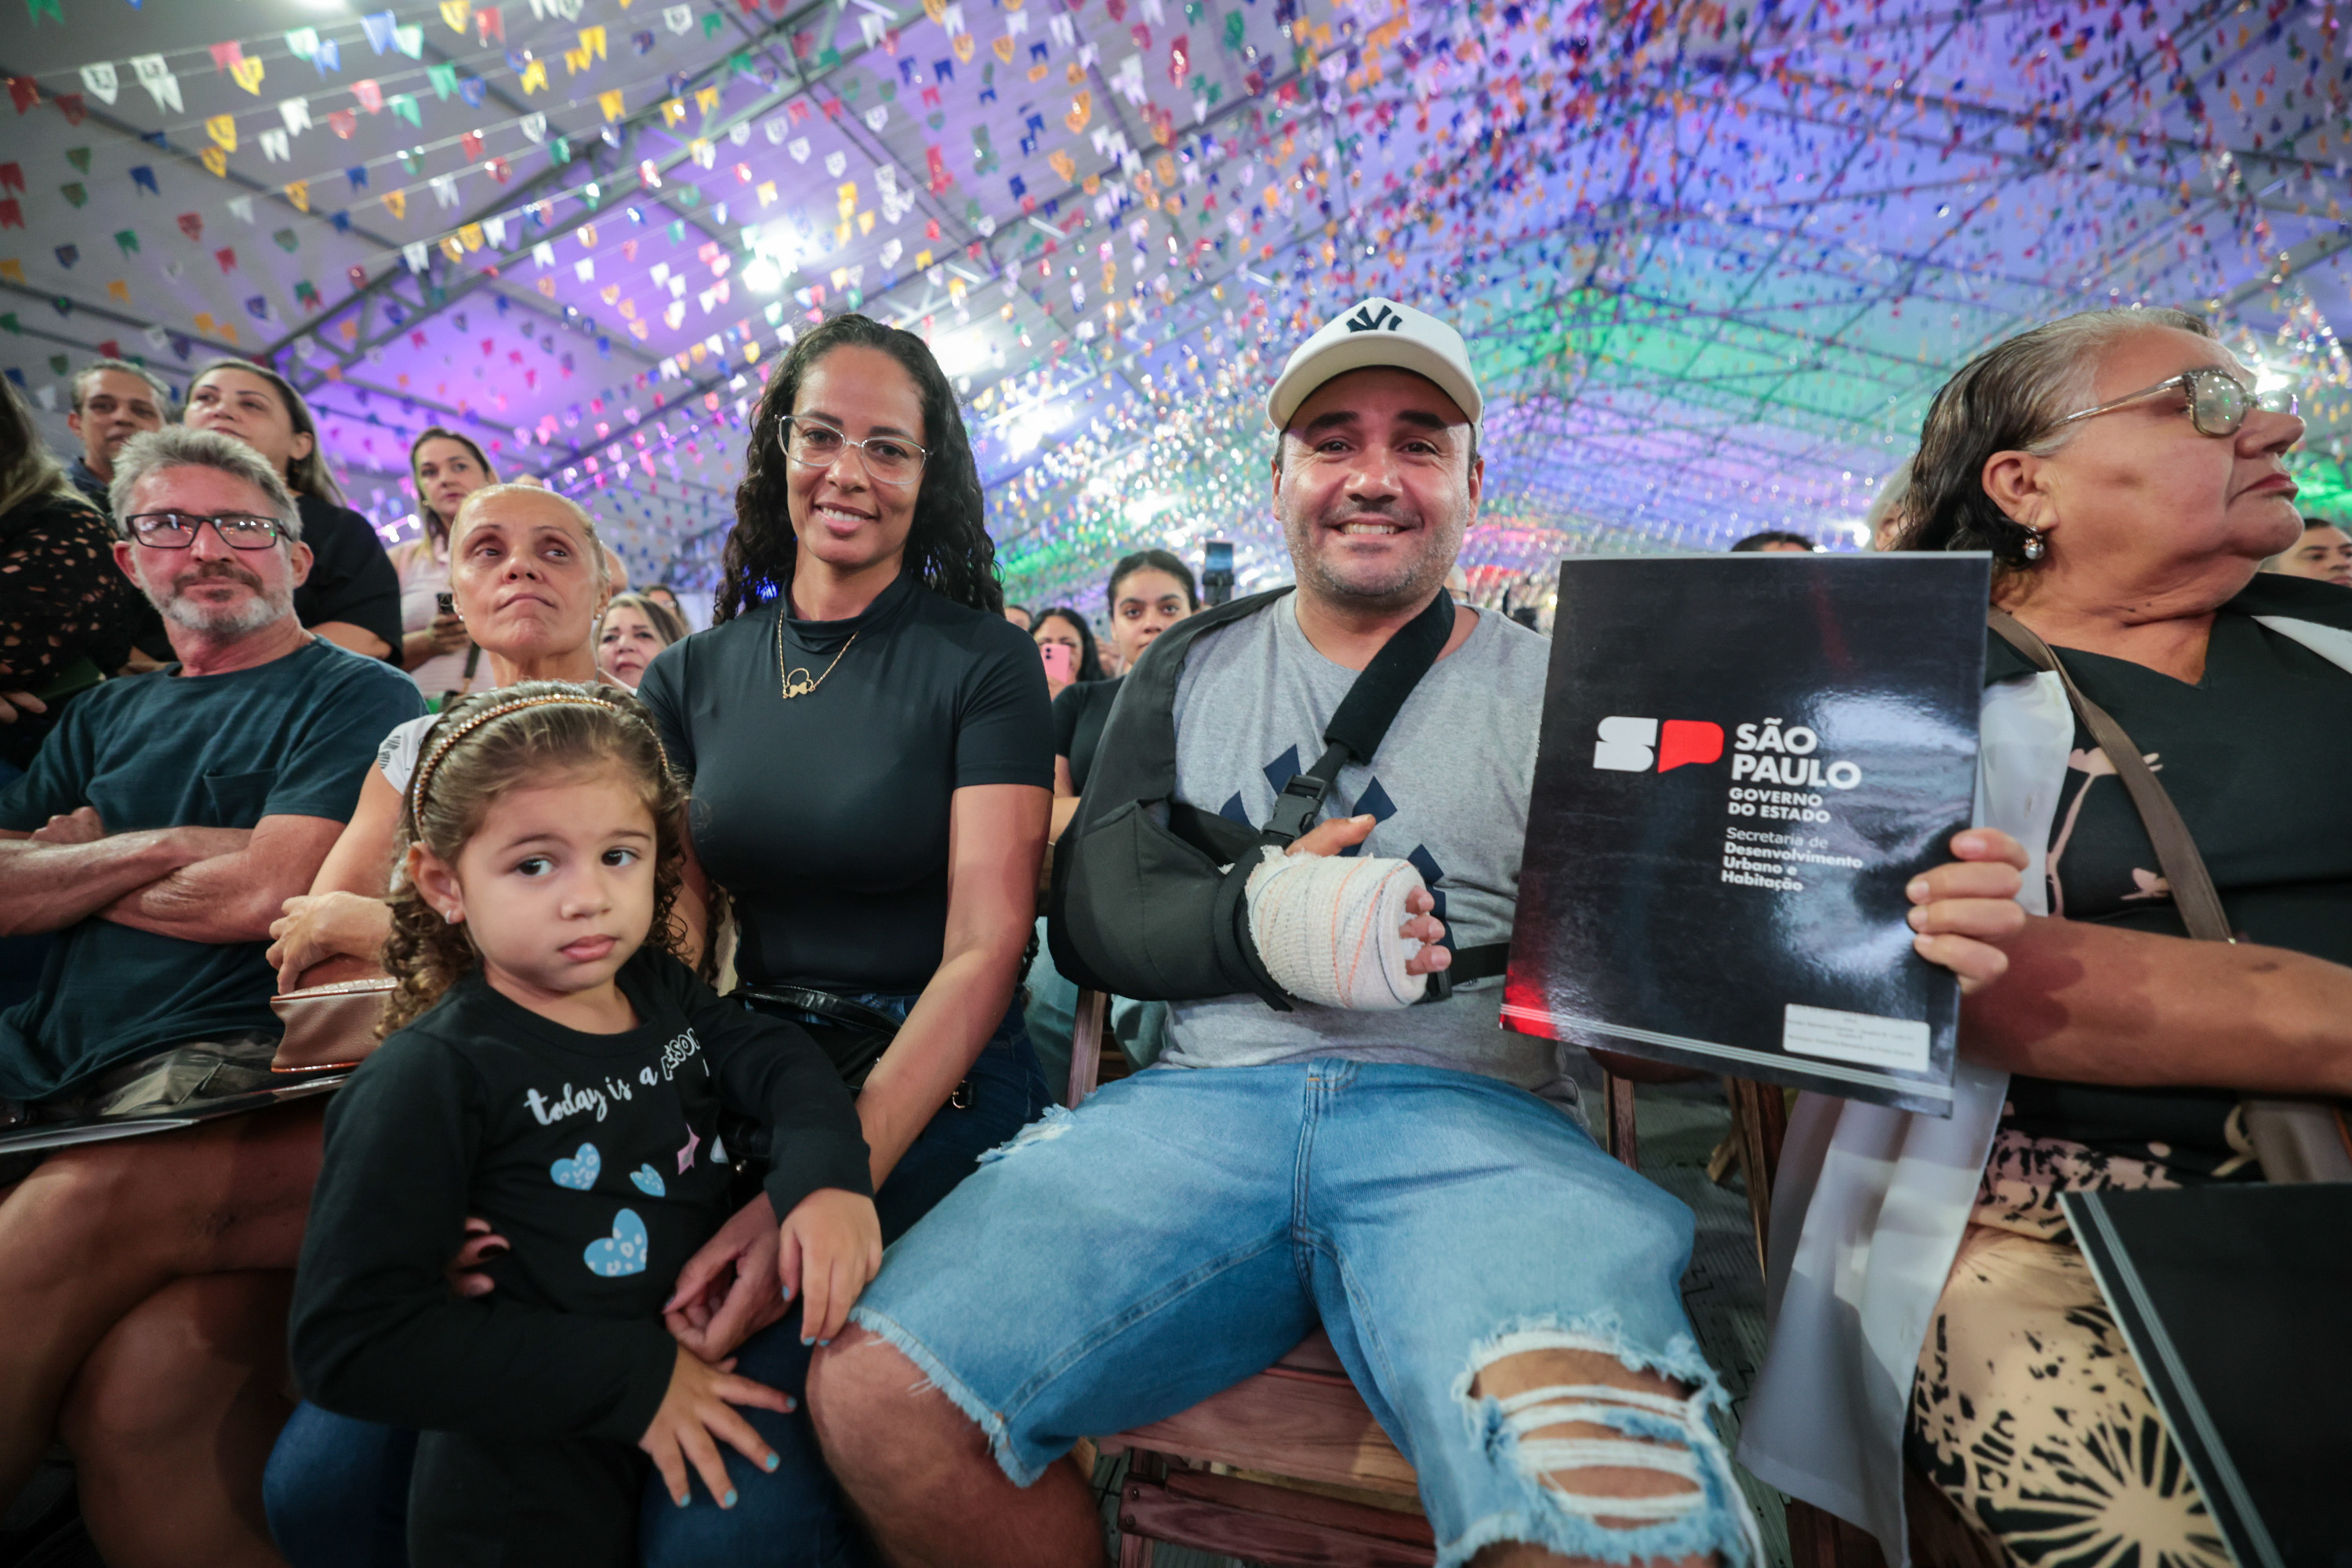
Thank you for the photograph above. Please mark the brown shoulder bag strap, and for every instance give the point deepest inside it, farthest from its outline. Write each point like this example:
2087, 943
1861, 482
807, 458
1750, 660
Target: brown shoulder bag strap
2176, 849
2296, 1139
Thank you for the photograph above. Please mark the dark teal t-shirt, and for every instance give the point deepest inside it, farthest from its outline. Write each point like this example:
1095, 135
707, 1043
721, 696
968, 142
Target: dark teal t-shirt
2256, 755
294, 737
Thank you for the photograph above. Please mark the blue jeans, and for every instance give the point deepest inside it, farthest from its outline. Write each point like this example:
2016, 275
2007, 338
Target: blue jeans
1433, 1221
337, 1488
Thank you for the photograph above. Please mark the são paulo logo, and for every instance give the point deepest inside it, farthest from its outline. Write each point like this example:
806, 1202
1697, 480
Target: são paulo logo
1630, 745
1764, 753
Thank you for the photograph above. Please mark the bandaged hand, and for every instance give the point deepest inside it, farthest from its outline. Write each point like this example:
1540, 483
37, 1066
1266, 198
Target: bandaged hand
1352, 934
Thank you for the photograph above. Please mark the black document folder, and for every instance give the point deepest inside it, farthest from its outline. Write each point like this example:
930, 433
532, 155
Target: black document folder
1744, 760
2236, 1303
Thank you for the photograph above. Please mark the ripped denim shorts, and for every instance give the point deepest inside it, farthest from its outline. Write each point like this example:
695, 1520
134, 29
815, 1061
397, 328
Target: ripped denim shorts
1186, 1227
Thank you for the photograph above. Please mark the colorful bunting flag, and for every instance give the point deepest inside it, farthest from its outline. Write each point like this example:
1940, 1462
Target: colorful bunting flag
157, 79
100, 82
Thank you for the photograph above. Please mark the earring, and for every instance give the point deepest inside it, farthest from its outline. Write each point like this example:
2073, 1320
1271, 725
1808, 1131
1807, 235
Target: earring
448, 917
2036, 546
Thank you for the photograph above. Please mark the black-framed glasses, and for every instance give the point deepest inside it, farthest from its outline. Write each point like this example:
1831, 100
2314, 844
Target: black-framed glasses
889, 459
177, 529
2218, 401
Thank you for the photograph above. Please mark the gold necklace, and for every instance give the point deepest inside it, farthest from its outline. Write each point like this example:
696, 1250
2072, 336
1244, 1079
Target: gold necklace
796, 681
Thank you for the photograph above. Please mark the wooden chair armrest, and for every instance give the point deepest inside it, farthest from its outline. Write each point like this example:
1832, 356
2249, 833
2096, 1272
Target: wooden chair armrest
1085, 1046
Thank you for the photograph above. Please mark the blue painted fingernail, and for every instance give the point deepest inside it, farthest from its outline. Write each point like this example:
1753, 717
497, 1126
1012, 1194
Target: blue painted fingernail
773, 1461
729, 1500
679, 1500
806, 1340
825, 1342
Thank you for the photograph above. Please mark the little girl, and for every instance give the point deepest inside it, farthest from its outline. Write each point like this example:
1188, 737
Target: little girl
547, 1066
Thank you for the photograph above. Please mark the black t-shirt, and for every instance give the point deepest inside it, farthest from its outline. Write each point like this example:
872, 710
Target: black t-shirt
352, 579
595, 1155
1079, 714
2256, 755
826, 815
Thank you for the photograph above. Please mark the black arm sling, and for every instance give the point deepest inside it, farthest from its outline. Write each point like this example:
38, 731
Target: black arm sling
1153, 910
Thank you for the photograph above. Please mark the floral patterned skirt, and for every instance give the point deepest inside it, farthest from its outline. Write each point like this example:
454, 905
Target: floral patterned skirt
2028, 1410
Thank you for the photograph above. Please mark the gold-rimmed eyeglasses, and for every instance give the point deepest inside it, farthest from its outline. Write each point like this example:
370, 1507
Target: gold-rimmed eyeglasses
889, 459
2218, 401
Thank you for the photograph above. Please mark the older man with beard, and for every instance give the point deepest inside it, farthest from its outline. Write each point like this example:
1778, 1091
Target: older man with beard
159, 831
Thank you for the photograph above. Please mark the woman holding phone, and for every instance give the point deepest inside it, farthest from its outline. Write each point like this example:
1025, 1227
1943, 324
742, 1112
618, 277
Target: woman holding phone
1066, 645
446, 468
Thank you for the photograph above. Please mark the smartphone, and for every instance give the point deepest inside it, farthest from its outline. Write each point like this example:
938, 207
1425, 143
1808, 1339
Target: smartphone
447, 603
1061, 659
1217, 572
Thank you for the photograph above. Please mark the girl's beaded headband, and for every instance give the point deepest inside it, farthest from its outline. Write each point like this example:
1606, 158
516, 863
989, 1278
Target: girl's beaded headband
432, 761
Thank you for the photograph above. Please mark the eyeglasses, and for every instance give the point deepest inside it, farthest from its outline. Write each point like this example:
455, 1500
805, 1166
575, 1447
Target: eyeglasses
889, 459
177, 529
2218, 401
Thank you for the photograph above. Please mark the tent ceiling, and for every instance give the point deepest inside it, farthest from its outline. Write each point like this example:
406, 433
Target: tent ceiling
1712, 260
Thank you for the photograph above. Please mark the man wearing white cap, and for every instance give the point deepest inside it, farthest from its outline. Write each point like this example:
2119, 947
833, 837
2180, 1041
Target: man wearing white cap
1504, 1294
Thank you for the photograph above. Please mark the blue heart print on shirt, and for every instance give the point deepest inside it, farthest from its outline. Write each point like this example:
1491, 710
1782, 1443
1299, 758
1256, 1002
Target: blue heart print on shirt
623, 1252
580, 1170
648, 1181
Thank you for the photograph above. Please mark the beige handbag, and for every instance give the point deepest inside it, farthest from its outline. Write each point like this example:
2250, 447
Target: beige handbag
2295, 1140
330, 1028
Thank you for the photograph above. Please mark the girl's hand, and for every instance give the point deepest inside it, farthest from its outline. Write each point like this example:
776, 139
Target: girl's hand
730, 1289
700, 1404
1964, 906
832, 1243
465, 1270
448, 633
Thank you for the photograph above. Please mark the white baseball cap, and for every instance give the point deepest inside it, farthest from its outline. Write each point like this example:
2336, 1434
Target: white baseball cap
1377, 332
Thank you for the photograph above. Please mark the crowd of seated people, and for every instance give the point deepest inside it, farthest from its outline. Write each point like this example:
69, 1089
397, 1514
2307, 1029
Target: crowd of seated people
586, 1261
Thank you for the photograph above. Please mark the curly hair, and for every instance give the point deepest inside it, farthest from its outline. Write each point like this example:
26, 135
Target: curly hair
948, 548
518, 735
2011, 397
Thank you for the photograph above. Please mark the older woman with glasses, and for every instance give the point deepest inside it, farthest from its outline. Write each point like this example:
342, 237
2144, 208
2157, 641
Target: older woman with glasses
2129, 477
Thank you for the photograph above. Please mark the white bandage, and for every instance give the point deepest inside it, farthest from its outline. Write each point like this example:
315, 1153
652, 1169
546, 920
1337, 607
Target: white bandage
1326, 928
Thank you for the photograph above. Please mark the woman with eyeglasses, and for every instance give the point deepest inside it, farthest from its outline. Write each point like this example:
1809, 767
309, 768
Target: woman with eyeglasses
352, 596
872, 758
2128, 478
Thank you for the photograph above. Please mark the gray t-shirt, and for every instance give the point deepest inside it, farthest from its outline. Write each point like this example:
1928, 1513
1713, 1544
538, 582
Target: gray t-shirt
1450, 788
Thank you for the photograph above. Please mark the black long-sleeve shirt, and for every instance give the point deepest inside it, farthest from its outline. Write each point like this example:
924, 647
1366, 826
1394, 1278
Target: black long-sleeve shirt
595, 1155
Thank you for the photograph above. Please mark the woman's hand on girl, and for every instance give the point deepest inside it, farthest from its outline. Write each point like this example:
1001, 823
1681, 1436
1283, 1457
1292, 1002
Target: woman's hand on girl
700, 1405
1962, 908
730, 1290
831, 1245
318, 927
